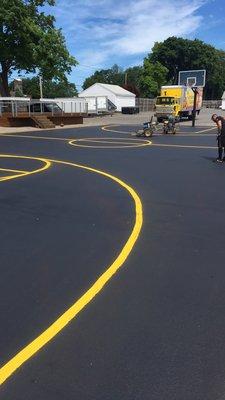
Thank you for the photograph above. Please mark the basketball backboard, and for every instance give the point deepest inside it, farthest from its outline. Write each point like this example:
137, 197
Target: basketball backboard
194, 78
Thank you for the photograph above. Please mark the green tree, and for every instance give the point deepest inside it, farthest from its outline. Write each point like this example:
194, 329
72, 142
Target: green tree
134, 75
153, 77
51, 88
179, 54
133, 79
113, 76
117, 76
30, 41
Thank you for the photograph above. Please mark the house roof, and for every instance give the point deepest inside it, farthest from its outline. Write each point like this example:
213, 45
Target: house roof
115, 89
223, 97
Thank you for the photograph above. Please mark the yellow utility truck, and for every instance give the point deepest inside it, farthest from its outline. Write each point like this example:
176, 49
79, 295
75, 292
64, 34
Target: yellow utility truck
177, 100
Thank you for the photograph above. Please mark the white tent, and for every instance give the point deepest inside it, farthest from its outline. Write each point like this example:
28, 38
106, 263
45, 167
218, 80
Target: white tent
116, 94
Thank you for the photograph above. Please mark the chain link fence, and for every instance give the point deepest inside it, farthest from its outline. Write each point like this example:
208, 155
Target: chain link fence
145, 104
212, 103
148, 104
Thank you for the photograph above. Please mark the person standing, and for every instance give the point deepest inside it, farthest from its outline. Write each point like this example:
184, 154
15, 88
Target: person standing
220, 122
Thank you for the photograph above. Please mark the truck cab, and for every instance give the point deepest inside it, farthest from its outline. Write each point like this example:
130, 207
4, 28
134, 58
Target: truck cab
178, 101
166, 106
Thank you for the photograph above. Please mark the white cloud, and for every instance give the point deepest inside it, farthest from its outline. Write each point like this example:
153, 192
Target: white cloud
102, 31
142, 28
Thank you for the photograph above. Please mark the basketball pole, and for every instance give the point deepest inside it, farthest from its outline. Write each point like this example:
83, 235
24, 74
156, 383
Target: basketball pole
195, 90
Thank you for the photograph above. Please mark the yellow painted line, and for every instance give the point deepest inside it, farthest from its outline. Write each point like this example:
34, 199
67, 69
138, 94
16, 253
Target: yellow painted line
72, 141
54, 138
45, 337
35, 137
13, 170
183, 146
46, 165
110, 140
112, 144
9, 177
207, 130
196, 135
107, 142
107, 128
107, 147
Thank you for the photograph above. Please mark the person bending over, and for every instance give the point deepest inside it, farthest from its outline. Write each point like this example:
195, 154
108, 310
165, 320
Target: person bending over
220, 122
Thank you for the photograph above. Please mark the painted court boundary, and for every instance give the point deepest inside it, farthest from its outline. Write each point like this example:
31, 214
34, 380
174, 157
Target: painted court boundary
111, 143
21, 174
107, 128
46, 336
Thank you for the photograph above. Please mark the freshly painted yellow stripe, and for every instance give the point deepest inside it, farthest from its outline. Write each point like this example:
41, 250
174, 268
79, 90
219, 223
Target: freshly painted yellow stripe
206, 130
108, 147
107, 128
9, 177
46, 165
112, 141
115, 143
35, 137
183, 146
33, 347
13, 170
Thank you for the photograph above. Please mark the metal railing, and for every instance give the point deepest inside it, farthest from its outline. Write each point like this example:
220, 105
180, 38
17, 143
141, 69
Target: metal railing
17, 107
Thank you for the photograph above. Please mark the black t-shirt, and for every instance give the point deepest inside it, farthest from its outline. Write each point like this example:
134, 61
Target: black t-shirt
223, 125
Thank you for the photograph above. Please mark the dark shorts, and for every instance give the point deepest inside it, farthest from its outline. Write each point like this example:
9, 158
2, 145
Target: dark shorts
221, 141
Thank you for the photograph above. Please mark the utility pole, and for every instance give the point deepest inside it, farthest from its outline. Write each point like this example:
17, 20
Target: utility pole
41, 86
125, 80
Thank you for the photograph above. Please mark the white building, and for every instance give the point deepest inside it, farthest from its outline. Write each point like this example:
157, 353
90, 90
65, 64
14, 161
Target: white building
114, 93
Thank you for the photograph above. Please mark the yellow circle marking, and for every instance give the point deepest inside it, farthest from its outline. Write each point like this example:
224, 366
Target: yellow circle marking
111, 143
19, 173
107, 128
46, 336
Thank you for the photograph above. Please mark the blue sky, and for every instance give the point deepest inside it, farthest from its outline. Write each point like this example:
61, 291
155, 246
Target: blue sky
100, 33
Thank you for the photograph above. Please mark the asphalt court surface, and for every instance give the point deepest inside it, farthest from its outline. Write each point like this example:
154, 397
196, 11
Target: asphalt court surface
156, 330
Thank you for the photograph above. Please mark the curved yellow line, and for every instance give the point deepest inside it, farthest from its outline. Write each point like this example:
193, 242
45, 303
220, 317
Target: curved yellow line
106, 129
33, 347
46, 165
112, 143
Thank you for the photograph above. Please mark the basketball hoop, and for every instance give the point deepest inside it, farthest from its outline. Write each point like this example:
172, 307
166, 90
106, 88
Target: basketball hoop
191, 81
193, 78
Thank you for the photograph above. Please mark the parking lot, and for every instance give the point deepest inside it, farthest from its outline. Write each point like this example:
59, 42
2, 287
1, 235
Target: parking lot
112, 264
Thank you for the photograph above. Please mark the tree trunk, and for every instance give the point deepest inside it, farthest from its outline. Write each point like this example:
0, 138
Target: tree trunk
4, 83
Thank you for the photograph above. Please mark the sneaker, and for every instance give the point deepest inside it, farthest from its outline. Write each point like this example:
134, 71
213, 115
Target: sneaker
219, 160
